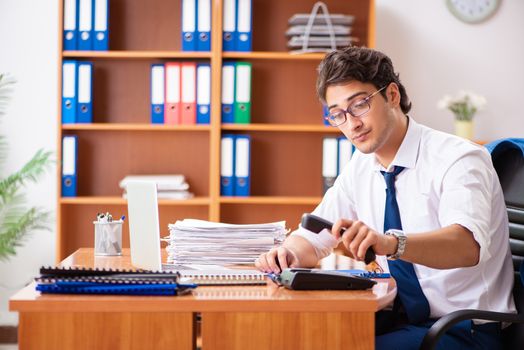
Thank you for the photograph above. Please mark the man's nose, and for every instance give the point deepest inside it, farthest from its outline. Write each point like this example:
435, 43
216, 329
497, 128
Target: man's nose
352, 123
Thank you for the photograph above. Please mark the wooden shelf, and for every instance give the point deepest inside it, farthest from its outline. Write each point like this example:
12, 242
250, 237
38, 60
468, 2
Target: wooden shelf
271, 200
273, 56
226, 127
134, 127
114, 200
286, 128
280, 127
135, 54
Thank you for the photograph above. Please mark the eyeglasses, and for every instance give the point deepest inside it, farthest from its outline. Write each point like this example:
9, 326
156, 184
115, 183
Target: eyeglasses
357, 109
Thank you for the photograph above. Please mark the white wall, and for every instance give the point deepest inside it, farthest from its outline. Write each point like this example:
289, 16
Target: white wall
28, 51
434, 52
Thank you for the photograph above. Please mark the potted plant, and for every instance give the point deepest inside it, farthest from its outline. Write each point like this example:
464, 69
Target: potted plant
17, 220
464, 107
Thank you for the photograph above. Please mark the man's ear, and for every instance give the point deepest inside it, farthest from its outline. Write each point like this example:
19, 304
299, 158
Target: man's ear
393, 94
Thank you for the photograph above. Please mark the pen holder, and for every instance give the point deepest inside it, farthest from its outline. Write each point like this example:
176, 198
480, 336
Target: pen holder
108, 238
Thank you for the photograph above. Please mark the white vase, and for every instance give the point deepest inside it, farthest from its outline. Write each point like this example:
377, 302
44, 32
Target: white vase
464, 128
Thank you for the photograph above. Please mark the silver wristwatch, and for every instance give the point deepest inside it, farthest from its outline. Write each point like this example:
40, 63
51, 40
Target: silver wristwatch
401, 238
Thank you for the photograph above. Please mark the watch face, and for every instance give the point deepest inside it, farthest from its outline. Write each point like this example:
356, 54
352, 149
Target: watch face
472, 11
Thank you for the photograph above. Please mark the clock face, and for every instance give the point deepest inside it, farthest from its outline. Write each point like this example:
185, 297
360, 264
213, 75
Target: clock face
473, 11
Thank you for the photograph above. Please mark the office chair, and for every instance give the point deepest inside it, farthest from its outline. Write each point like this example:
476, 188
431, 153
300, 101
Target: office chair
508, 160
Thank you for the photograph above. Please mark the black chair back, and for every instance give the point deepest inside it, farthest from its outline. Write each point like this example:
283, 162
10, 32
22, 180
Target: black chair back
509, 165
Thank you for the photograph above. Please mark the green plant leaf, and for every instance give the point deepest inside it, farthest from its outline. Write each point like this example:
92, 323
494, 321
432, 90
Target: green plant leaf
31, 171
16, 221
15, 233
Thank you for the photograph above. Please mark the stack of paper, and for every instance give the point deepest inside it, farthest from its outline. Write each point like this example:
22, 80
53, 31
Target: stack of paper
322, 36
198, 242
168, 186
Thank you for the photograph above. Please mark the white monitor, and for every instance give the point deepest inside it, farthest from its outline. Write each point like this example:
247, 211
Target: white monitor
144, 227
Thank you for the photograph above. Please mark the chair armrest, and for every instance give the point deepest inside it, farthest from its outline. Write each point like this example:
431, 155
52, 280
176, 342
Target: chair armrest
447, 321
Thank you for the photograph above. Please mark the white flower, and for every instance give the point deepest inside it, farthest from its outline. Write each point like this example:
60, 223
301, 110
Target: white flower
478, 101
464, 105
444, 102
462, 95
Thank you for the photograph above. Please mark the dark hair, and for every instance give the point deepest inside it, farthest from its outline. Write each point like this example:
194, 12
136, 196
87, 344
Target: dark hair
361, 64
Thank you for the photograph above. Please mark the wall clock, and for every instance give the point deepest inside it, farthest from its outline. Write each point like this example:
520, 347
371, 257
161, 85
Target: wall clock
473, 11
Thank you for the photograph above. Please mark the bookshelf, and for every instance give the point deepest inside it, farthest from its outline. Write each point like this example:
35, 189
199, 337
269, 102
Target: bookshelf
286, 129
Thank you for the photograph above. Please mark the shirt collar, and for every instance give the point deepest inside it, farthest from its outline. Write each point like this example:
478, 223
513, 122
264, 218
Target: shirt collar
407, 153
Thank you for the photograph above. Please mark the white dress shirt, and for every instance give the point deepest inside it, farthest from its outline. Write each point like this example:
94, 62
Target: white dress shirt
446, 181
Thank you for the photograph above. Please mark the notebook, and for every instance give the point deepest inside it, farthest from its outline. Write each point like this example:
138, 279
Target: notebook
82, 280
364, 273
224, 277
64, 271
155, 289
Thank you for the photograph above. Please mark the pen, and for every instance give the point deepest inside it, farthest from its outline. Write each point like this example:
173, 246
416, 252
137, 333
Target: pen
108, 238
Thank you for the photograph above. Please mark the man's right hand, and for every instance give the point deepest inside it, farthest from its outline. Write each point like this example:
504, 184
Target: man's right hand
270, 261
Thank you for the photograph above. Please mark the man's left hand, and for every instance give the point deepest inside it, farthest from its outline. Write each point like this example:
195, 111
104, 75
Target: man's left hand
358, 237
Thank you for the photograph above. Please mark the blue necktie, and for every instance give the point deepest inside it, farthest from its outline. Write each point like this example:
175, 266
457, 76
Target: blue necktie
409, 291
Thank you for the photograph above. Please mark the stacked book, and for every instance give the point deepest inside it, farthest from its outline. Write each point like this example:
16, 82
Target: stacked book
322, 37
198, 242
168, 186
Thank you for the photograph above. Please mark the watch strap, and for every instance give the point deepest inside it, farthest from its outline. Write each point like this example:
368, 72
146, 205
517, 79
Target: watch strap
401, 245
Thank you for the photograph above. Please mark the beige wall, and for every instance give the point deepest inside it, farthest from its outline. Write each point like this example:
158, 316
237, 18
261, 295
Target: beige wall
436, 54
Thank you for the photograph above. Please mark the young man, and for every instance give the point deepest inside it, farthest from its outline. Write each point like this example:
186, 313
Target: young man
429, 201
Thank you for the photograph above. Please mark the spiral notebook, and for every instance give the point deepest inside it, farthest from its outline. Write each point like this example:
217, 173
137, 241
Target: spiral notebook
144, 289
366, 274
223, 277
76, 271
82, 280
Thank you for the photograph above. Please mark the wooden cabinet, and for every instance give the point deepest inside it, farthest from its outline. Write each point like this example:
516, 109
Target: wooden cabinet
286, 125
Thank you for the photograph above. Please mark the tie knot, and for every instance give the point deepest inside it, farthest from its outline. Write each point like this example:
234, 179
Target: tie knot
390, 177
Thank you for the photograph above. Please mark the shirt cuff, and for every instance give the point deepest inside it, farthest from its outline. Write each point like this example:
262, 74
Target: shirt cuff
481, 239
323, 242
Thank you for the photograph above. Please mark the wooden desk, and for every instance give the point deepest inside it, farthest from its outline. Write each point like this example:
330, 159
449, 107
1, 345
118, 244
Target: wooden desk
233, 317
